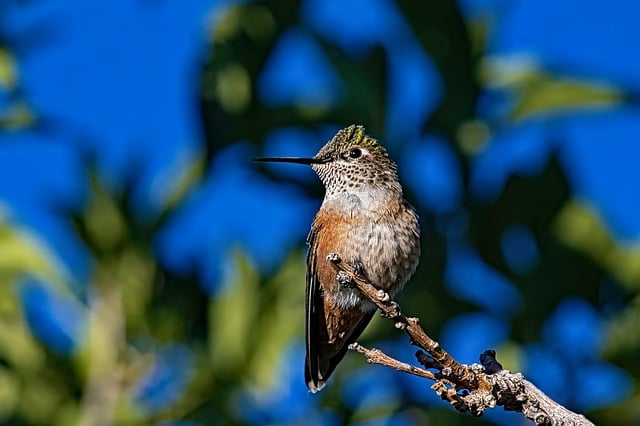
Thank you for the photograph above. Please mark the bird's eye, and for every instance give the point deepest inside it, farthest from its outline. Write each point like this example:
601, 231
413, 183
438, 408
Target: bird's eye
355, 153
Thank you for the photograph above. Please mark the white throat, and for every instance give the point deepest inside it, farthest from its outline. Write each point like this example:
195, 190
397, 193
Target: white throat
358, 201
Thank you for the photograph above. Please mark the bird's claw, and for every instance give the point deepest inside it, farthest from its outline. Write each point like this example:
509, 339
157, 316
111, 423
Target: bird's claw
344, 279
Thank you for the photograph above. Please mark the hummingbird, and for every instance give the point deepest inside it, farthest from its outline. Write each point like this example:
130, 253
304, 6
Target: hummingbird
365, 219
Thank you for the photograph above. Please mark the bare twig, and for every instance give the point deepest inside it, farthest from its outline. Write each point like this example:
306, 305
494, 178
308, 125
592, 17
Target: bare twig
468, 388
376, 356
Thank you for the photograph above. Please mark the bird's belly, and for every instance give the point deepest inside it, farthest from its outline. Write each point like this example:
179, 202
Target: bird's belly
388, 254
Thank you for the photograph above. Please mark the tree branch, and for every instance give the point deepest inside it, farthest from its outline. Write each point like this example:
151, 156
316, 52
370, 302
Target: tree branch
468, 388
376, 356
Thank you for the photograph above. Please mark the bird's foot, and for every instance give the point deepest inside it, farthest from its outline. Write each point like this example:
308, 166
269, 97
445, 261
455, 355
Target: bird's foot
344, 279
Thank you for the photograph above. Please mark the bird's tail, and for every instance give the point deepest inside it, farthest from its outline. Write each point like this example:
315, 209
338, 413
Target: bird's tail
321, 360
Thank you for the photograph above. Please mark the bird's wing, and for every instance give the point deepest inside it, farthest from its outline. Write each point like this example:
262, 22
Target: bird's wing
329, 333
314, 308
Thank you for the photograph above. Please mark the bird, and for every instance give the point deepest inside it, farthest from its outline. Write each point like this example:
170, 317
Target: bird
364, 219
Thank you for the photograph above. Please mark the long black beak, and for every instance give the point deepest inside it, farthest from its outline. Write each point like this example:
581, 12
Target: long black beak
296, 160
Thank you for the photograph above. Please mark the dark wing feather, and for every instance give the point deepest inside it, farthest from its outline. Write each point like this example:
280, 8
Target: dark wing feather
335, 360
314, 308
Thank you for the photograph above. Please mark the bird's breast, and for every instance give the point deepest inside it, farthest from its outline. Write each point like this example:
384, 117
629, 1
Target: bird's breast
386, 245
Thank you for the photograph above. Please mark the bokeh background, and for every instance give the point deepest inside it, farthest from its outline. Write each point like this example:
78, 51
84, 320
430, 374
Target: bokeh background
152, 274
